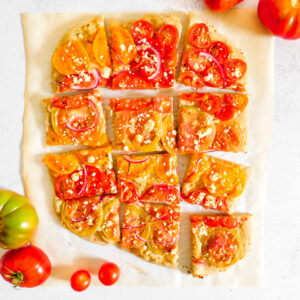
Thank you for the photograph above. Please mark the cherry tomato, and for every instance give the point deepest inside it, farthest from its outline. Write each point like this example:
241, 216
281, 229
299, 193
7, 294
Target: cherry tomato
237, 101
196, 61
221, 5
198, 36
80, 280
213, 77
169, 36
158, 45
189, 78
141, 29
210, 103
220, 51
128, 191
167, 78
281, 17
235, 69
150, 63
109, 273
128, 80
225, 113
27, 267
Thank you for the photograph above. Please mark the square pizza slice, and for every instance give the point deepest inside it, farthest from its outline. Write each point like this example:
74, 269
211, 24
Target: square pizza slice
81, 60
144, 124
151, 231
144, 52
82, 173
148, 178
218, 242
214, 183
94, 218
210, 59
212, 122
75, 120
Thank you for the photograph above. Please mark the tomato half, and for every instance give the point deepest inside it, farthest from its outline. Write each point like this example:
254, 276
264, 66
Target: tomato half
198, 165
28, 266
62, 163
196, 61
237, 101
109, 273
225, 113
281, 17
210, 103
220, 51
94, 156
129, 80
189, 78
162, 193
198, 36
221, 5
80, 280
101, 49
166, 168
169, 36
149, 64
213, 77
235, 69
128, 191
141, 29
69, 102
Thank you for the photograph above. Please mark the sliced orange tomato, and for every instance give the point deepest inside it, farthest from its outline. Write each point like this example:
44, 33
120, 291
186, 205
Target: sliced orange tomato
101, 49
94, 156
168, 137
62, 163
166, 168
237, 101
198, 165
71, 58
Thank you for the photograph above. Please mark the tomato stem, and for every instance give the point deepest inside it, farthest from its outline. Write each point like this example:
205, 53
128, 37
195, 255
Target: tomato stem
16, 277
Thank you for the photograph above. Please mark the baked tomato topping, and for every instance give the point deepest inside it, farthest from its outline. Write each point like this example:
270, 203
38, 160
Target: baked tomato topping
130, 104
69, 102
225, 113
220, 51
213, 77
62, 163
166, 168
198, 36
197, 167
168, 137
189, 78
128, 191
159, 212
162, 193
129, 80
169, 36
101, 49
141, 29
197, 62
237, 101
94, 156
210, 103
133, 167
163, 104
235, 69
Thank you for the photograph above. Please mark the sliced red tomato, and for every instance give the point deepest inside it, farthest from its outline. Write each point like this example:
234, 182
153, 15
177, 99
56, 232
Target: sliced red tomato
197, 62
163, 212
235, 69
169, 59
141, 29
94, 181
108, 181
225, 113
237, 101
158, 45
196, 197
189, 78
166, 168
163, 104
169, 36
129, 80
213, 77
68, 102
230, 222
130, 104
167, 78
198, 36
210, 103
150, 64
220, 51
128, 191
162, 193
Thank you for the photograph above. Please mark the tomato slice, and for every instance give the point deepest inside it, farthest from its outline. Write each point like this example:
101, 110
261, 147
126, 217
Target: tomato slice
168, 137
162, 193
189, 78
237, 101
197, 62
68, 102
225, 113
94, 156
150, 63
198, 165
130, 104
167, 78
235, 69
162, 212
169, 36
135, 237
71, 58
220, 51
94, 181
166, 168
230, 222
210, 103
196, 197
198, 36
169, 59
62, 163
141, 29
196, 132
101, 49
82, 216
163, 104
129, 80
129, 192
213, 77
108, 181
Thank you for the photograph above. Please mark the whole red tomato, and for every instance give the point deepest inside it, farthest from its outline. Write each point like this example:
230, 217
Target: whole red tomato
80, 280
221, 5
281, 17
27, 267
109, 273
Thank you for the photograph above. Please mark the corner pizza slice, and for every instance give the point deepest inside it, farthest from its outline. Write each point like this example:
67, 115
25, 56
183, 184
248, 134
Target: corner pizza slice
144, 124
81, 60
214, 183
75, 120
148, 178
144, 52
218, 242
209, 122
210, 59
151, 231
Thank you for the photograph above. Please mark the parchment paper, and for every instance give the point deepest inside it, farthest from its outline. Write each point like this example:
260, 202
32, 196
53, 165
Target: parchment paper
69, 252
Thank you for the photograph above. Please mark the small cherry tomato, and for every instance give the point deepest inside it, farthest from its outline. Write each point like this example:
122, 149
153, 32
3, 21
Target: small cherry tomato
80, 280
225, 113
221, 5
235, 69
169, 36
198, 35
220, 51
141, 29
109, 273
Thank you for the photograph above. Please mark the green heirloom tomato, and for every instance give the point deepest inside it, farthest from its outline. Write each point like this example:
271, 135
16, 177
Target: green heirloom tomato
18, 220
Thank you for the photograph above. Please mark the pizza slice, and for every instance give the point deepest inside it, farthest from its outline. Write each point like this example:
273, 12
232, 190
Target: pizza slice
212, 122
75, 120
214, 183
218, 242
144, 52
81, 60
210, 59
144, 125
148, 178
151, 231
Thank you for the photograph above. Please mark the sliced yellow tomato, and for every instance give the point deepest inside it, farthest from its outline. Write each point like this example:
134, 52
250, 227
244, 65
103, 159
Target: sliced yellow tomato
198, 165
94, 156
82, 216
135, 215
101, 49
71, 58
168, 137
135, 166
123, 47
221, 247
166, 168
223, 179
61, 163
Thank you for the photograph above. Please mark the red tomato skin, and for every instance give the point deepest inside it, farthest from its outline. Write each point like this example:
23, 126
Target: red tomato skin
31, 261
221, 5
280, 17
225, 113
109, 273
80, 280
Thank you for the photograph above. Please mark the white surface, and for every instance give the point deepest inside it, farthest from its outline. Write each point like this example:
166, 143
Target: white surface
282, 241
